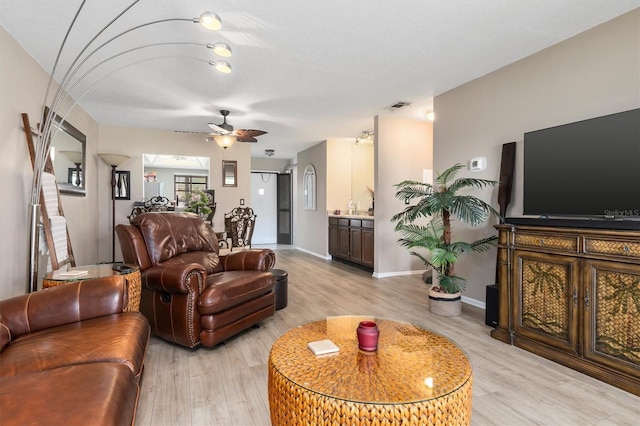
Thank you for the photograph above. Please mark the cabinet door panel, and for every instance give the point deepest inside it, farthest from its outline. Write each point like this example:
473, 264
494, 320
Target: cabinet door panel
343, 242
367, 247
612, 315
355, 248
546, 299
333, 239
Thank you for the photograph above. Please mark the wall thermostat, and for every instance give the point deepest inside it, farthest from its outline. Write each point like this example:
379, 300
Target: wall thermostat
478, 164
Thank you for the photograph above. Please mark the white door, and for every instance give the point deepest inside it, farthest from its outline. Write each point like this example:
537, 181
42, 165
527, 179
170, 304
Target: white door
264, 188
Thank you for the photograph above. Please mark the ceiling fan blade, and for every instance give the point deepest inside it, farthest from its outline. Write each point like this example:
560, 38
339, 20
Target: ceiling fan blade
246, 139
218, 130
192, 133
249, 133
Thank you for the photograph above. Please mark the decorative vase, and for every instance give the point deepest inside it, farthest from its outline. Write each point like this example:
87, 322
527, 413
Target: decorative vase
368, 334
445, 304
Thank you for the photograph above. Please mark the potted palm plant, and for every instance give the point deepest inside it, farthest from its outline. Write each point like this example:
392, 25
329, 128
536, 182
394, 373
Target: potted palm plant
442, 202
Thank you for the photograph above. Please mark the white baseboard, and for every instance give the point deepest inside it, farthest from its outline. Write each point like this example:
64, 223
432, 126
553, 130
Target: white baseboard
321, 256
396, 273
474, 302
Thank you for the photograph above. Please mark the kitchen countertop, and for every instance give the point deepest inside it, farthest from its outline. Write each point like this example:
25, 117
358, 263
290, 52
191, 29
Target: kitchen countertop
352, 216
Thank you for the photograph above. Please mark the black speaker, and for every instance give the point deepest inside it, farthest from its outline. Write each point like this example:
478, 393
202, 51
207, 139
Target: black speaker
491, 307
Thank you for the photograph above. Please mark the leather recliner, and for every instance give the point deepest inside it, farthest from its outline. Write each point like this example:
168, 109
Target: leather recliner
191, 295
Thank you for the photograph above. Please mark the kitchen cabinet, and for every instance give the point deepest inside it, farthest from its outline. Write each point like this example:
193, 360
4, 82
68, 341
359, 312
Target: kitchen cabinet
351, 239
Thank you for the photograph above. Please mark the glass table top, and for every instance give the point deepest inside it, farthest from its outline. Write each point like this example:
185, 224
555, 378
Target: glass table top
92, 271
411, 364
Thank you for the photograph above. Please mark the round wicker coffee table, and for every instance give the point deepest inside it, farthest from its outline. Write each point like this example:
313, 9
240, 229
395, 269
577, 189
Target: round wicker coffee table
415, 377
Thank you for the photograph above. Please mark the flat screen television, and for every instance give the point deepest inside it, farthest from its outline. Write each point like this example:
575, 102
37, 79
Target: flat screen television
588, 169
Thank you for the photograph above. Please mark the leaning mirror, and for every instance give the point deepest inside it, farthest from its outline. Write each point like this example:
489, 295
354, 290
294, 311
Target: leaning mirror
68, 157
229, 173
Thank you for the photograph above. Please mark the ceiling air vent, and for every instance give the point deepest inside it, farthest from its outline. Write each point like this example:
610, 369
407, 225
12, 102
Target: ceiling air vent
397, 106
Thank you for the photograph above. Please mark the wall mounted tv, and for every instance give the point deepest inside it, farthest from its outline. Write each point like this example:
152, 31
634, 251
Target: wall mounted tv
588, 169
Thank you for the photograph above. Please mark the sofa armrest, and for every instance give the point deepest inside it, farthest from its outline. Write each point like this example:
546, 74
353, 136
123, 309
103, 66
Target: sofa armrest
247, 260
175, 278
65, 304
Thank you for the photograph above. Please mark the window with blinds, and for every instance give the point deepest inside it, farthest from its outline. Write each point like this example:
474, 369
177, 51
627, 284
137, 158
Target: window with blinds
185, 184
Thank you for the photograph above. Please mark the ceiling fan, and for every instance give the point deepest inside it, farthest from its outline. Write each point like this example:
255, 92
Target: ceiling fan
226, 129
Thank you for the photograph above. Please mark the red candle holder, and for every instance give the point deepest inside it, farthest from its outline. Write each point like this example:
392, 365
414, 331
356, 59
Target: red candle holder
368, 334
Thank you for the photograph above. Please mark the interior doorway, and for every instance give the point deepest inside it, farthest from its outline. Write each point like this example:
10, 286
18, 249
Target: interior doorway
264, 201
285, 209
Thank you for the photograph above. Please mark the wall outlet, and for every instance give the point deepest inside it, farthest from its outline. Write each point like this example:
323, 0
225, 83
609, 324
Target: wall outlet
242, 201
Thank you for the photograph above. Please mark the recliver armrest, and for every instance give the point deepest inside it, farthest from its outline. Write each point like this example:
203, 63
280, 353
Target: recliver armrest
247, 260
177, 278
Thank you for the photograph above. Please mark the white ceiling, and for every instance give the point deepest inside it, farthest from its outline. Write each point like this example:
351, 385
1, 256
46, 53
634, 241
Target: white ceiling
303, 70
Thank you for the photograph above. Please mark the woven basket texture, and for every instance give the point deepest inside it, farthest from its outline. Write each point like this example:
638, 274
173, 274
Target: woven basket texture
617, 318
545, 297
415, 377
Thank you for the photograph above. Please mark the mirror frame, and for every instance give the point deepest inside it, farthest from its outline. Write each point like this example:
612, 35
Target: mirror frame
234, 166
309, 187
66, 187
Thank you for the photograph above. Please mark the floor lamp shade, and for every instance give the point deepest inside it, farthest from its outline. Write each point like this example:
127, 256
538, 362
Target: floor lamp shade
114, 159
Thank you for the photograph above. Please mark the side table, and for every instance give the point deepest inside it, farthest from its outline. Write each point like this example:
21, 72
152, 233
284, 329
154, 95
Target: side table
281, 288
134, 281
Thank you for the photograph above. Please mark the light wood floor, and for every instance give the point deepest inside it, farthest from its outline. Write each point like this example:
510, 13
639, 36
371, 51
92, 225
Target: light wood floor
227, 385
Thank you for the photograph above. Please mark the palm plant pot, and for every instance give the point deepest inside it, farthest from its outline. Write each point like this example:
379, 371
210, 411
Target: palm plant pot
445, 304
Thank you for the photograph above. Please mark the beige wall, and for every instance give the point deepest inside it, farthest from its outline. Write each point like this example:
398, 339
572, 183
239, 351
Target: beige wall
339, 174
362, 174
350, 169
312, 225
22, 84
135, 142
403, 149
269, 164
592, 74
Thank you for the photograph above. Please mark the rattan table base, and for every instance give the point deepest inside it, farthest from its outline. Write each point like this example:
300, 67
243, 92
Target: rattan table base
415, 378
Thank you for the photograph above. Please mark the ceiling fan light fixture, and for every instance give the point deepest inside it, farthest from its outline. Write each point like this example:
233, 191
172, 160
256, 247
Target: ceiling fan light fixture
430, 115
221, 49
210, 21
224, 141
221, 66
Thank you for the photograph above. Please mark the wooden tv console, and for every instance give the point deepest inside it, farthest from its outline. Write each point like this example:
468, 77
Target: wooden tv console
572, 295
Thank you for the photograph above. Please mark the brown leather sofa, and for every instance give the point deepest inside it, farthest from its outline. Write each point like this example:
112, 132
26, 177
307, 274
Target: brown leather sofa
191, 295
71, 356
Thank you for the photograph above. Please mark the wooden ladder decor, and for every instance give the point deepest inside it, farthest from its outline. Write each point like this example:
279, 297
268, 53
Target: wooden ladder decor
46, 220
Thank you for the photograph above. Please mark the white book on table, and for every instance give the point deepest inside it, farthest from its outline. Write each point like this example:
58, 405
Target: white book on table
73, 273
322, 347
